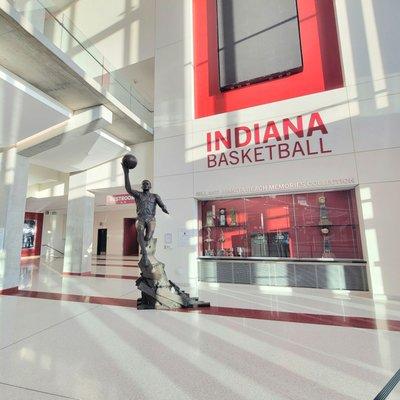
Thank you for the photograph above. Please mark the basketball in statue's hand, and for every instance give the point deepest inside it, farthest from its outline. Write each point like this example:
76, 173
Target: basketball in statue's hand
129, 161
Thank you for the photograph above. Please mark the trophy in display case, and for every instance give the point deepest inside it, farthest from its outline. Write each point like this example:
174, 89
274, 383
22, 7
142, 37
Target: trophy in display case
233, 217
240, 251
221, 240
208, 240
325, 223
323, 212
222, 217
327, 248
209, 219
229, 252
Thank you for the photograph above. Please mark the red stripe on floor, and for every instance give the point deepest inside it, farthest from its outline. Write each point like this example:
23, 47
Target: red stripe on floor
115, 259
115, 276
110, 301
9, 291
88, 273
95, 275
315, 319
115, 265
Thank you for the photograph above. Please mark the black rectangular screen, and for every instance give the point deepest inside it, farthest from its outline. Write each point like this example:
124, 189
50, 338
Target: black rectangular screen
257, 40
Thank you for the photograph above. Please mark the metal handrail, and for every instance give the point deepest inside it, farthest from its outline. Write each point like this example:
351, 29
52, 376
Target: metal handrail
119, 88
102, 64
46, 245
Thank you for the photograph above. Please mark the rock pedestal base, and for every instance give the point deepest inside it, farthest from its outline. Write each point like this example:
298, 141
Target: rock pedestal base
158, 292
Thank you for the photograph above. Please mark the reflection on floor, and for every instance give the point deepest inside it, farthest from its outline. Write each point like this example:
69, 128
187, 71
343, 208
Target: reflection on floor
80, 337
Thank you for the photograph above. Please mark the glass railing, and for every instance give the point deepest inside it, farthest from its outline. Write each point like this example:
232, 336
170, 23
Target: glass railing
67, 37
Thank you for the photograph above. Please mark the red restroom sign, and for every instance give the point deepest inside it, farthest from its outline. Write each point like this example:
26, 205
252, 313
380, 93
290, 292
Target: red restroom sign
123, 198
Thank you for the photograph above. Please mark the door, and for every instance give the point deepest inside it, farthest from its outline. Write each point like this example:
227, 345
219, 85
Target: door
131, 247
101, 242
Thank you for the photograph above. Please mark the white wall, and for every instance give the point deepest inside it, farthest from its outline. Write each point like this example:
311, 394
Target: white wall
121, 30
110, 174
362, 121
173, 120
25, 110
379, 209
119, 34
44, 182
32, 11
113, 221
53, 234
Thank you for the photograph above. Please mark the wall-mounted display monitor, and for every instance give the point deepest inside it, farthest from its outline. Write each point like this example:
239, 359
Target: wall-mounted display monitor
257, 40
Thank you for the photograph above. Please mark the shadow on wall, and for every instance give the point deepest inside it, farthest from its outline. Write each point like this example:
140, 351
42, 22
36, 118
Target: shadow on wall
129, 25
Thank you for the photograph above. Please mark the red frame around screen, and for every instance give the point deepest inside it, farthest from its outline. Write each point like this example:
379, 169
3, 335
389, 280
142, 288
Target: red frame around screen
321, 61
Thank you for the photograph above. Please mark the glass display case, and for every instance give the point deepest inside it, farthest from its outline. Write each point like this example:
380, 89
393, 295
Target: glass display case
289, 226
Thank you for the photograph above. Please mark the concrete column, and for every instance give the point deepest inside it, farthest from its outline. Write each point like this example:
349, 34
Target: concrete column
13, 186
53, 235
79, 227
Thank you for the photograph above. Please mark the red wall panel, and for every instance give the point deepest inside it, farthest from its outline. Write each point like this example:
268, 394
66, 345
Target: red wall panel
322, 67
34, 251
130, 244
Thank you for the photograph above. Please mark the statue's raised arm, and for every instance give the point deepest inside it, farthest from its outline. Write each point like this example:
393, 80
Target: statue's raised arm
128, 187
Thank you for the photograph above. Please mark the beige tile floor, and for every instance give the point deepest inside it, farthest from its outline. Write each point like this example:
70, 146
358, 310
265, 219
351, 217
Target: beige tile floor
52, 349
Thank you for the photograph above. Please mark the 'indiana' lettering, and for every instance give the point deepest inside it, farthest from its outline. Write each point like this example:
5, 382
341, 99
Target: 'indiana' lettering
271, 132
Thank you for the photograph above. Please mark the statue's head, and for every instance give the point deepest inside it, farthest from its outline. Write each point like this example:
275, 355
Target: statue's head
146, 185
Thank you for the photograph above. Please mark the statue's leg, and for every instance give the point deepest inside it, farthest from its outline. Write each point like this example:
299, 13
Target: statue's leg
150, 227
140, 228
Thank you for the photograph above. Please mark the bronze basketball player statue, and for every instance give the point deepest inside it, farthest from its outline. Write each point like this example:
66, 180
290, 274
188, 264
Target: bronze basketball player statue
157, 290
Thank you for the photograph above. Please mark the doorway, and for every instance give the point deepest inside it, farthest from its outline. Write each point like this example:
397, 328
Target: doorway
101, 242
32, 234
131, 246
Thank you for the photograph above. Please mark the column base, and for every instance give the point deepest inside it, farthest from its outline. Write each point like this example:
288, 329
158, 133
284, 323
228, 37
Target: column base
9, 291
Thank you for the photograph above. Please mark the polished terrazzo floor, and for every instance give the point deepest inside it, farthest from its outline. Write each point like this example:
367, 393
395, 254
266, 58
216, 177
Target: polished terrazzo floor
80, 337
